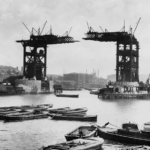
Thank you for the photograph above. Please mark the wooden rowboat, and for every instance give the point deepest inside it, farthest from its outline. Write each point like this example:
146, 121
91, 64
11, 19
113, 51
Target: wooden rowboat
4, 113
75, 114
25, 116
37, 107
9, 111
68, 95
69, 112
40, 106
71, 117
78, 144
59, 110
84, 132
76, 110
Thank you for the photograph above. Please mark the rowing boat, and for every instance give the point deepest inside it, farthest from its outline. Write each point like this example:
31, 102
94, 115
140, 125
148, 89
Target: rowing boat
25, 116
72, 117
75, 114
9, 112
40, 106
78, 144
59, 110
84, 132
76, 110
37, 107
69, 112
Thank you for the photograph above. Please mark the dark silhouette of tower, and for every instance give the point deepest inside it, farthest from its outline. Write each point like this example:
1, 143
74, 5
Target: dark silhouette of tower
127, 52
35, 51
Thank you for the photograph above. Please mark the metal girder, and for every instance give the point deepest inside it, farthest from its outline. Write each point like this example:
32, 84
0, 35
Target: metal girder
110, 36
41, 40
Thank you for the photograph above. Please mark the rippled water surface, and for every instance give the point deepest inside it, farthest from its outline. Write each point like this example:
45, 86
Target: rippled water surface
32, 134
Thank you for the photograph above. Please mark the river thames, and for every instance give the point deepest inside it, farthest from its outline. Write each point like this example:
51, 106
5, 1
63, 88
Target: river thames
33, 134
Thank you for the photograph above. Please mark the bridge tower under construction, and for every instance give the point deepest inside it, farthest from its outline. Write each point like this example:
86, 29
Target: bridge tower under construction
127, 60
35, 51
127, 52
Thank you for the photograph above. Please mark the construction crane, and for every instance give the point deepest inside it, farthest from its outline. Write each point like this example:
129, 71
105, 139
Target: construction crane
127, 60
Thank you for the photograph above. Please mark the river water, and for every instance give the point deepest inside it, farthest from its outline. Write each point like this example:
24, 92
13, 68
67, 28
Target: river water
32, 134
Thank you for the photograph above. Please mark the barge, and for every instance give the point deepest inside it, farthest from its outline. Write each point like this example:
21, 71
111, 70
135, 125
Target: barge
124, 90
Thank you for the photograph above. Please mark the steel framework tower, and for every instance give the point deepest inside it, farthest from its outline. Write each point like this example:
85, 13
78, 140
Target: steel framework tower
127, 52
35, 52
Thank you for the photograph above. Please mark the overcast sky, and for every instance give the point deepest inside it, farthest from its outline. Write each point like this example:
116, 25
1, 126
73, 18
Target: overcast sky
64, 14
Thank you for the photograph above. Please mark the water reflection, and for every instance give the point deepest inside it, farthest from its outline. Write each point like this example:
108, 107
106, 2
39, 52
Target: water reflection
29, 135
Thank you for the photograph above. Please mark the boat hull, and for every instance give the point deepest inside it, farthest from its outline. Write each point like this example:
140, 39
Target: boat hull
115, 136
75, 111
78, 144
25, 107
25, 117
59, 110
76, 118
83, 132
67, 95
75, 114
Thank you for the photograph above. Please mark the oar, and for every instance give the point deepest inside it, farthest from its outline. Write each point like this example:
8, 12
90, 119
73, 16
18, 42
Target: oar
102, 126
95, 125
105, 124
114, 125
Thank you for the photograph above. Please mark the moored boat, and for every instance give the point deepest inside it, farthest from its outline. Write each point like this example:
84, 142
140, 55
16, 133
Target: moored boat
37, 107
15, 113
68, 95
59, 110
76, 110
146, 128
125, 135
84, 132
20, 113
94, 91
40, 106
26, 116
77, 144
72, 117
75, 114
10, 111
69, 112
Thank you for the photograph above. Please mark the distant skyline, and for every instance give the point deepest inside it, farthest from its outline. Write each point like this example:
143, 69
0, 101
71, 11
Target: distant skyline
64, 14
